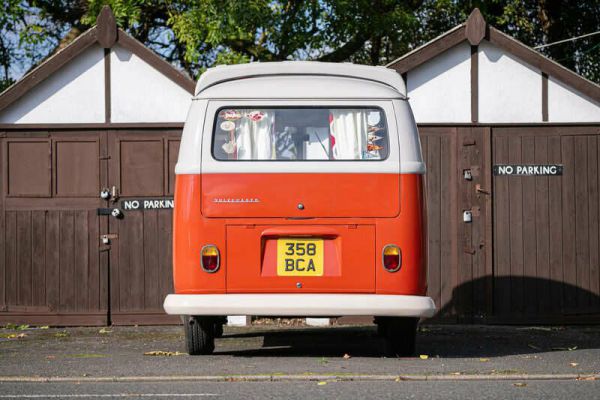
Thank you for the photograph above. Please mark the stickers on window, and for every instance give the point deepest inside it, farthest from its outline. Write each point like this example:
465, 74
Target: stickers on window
255, 116
227, 125
230, 115
229, 147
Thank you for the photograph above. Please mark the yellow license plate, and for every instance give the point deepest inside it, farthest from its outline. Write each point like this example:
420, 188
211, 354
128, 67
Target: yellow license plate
300, 257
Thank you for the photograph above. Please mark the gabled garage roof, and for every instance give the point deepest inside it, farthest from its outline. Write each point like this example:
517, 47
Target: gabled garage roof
106, 34
474, 30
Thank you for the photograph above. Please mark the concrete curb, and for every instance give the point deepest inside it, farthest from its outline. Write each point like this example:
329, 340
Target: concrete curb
303, 378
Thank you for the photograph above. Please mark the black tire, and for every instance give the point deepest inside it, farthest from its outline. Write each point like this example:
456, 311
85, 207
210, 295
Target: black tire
400, 336
199, 335
218, 330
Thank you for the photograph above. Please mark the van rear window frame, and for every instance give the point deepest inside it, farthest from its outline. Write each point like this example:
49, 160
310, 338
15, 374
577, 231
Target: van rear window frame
339, 107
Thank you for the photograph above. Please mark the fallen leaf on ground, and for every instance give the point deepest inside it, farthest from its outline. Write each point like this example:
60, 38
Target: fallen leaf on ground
586, 378
50, 357
347, 356
520, 384
163, 353
573, 364
455, 373
44, 327
564, 348
423, 356
22, 327
484, 359
535, 328
104, 331
21, 335
61, 334
322, 383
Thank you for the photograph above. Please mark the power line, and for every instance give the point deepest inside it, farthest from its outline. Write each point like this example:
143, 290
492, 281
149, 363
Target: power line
566, 40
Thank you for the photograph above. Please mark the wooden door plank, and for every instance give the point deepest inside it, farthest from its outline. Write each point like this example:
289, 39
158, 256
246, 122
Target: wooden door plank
542, 229
11, 258
466, 250
529, 232
555, 223
516, 228
53, 260
448, 219
38, 219
93, 276
165, 229
24, 268
433, 216
81, 260
151, 266
594, 160
569, 233
582, 257
67, 262
502, 294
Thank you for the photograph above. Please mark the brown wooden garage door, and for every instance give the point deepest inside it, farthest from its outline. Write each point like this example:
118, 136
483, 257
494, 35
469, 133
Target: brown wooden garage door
459, 253
54, 267
141, 168
547, 228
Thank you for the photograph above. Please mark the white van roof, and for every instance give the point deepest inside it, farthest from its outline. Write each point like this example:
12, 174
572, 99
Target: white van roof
274, 71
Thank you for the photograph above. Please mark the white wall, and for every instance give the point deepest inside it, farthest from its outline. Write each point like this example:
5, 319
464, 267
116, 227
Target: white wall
140, 93
509, 89
73, 94
567, 105
440, 89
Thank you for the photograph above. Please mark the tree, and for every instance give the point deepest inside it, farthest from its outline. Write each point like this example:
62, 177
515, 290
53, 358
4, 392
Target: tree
194, 34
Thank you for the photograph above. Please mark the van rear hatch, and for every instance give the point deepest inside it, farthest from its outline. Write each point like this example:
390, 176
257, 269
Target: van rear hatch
300, 195
301, 258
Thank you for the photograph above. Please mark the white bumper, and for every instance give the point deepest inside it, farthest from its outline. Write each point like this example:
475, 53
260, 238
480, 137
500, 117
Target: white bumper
301, 305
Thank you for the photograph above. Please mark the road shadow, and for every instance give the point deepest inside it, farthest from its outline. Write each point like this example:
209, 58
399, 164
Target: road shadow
474, 312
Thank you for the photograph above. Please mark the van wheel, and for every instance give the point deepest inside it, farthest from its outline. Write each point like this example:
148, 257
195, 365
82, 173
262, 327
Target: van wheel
218, 330
400, 335
199, 335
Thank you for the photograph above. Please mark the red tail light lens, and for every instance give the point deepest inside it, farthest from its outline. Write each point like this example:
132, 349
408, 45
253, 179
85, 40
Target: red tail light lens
392, 258
210, 258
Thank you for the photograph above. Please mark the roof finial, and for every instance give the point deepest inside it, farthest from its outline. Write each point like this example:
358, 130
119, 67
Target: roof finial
476, 27
107, 27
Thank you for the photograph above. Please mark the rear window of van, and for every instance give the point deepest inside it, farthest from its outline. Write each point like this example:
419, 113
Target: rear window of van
297, 134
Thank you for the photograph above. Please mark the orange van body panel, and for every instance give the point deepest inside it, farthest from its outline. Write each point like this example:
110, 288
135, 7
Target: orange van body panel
247, 239
352, 195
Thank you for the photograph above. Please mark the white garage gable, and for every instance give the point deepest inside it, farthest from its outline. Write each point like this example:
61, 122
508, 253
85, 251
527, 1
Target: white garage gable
439, 89
477, 74
104, 76
74, 94
140, 93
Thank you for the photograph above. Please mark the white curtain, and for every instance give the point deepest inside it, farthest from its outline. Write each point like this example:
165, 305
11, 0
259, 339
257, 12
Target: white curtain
349, 129
254, 137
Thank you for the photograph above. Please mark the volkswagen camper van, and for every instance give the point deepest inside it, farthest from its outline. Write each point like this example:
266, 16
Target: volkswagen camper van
299, 192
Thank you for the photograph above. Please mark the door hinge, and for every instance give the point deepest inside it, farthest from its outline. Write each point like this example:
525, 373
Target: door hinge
104, 157
479, 189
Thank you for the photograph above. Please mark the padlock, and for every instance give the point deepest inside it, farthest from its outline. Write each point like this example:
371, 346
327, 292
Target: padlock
467, 216
105, 194
116, 213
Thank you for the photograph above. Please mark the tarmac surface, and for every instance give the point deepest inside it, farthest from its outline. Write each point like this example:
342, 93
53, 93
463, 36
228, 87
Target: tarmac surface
271, 361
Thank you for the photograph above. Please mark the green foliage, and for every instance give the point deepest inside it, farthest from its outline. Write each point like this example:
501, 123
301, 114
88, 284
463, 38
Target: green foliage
196, 34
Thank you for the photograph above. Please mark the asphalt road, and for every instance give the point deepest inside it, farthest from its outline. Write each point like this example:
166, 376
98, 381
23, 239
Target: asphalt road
293, 362
546, 390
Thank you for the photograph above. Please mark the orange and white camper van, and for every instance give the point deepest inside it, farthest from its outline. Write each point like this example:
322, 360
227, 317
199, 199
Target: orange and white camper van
299, 192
